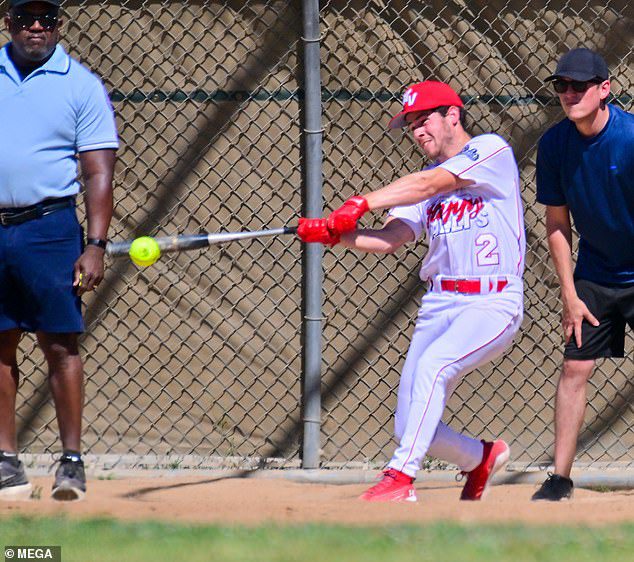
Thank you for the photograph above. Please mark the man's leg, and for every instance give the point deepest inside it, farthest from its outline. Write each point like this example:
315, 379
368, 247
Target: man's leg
9, 378
396, 486
478, 461
67, 386
66, 378
570, 406
13, 481
455, 448
465, 344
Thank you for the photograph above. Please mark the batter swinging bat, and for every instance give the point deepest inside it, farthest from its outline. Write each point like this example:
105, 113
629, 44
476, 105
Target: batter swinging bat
186, 242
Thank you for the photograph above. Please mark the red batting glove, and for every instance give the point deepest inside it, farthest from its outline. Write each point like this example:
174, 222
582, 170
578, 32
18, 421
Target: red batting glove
315, 230
345, 218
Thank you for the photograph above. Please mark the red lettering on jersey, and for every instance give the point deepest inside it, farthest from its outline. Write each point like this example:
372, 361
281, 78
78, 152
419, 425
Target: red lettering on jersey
443, 211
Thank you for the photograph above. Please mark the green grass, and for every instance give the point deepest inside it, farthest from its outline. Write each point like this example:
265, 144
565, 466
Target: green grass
105, 540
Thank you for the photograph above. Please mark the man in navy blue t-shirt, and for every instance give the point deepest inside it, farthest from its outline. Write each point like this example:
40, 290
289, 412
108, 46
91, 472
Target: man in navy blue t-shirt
585, 170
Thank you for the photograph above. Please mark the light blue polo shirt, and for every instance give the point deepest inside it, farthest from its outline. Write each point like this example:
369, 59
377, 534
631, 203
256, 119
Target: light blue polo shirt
59, 110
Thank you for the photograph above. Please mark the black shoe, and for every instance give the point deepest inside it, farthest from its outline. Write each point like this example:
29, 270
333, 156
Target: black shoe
13, 482
70, 479
554, 489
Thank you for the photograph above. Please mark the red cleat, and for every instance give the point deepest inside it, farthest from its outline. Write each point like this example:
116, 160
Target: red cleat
496, 454
395, 486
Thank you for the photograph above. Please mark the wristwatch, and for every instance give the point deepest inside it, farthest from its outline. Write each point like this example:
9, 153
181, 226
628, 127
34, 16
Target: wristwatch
100, 242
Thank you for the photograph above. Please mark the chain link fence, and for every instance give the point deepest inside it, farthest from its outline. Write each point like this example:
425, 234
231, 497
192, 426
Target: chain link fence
198, 358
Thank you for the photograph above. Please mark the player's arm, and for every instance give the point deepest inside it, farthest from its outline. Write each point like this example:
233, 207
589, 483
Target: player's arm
414, 188
394, 234
97, 168
385, 240
408, 190
559, 233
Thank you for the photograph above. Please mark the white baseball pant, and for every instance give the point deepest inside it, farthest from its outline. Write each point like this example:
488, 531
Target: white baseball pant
454, 334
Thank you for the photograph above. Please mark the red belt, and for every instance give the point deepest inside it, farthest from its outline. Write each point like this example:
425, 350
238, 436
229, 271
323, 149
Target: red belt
473, 286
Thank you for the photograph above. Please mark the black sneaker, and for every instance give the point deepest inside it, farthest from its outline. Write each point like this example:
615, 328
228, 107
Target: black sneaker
14, 485
70, 479
554, 489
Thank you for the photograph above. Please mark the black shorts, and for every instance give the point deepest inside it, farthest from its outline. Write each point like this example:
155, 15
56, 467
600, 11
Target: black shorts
613, 307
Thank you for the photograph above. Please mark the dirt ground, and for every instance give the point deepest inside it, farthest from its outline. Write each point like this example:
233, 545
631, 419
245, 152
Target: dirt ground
254, 501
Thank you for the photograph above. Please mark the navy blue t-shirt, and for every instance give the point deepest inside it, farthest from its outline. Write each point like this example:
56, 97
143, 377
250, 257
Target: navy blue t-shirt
594, 177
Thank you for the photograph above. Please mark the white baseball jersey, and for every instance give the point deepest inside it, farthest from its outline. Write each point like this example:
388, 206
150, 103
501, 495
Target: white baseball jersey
478, 230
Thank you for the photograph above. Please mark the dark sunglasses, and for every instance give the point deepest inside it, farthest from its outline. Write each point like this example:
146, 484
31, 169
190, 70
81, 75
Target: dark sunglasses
578, 86
24, 20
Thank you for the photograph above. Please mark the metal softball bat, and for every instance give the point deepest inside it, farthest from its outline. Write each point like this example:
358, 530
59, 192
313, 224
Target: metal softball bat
185, 242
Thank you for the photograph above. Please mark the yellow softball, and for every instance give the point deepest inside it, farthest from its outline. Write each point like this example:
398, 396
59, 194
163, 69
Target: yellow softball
144, 251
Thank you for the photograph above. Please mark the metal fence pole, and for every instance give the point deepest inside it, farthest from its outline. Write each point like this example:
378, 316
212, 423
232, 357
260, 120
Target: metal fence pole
312, 266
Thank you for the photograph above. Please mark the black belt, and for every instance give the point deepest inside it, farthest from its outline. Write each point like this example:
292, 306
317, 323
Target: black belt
19, 215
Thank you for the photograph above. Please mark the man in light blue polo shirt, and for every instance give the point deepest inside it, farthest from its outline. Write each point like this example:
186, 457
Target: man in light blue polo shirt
51, 110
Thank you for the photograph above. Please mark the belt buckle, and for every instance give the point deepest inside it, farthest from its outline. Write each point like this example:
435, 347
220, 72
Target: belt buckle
8, 219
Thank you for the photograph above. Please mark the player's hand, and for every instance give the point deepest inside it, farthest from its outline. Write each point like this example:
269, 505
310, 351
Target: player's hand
345, 218
315, 230
574, 313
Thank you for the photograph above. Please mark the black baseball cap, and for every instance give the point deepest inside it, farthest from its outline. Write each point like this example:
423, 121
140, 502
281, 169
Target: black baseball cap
16, 3
581, 64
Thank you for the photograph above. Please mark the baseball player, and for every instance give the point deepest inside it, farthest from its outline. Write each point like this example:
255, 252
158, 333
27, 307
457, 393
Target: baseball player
468, 203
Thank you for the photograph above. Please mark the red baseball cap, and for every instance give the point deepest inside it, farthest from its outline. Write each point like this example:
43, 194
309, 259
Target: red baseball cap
424, 96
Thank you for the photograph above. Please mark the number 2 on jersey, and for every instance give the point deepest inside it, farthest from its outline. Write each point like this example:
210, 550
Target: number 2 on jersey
487, 255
